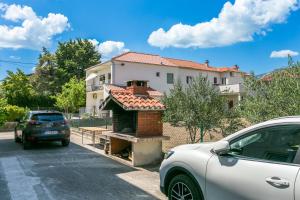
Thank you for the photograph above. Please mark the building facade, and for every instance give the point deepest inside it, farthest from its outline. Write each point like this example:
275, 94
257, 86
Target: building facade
161, 74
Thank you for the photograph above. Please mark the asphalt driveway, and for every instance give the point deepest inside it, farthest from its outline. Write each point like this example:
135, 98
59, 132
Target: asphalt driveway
52, 172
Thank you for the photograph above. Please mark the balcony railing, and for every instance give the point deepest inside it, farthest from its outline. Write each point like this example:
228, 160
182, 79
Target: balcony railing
91, 88
234, 88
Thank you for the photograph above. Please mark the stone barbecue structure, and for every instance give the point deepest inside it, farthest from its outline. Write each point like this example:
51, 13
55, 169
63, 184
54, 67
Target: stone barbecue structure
137, 122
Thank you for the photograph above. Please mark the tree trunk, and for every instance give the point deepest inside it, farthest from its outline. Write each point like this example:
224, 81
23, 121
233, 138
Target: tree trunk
201, 134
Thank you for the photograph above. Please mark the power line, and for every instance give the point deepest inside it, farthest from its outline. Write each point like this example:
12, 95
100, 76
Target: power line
17, 62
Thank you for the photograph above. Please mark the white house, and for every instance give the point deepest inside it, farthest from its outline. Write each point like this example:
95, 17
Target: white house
161, 73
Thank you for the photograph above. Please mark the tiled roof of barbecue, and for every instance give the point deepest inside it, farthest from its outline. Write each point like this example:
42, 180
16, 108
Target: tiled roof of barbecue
129, 101
170, 62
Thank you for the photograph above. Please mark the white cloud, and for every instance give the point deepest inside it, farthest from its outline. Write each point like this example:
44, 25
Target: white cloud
238, 22
283, 54
32, 31
15, 57
109, 49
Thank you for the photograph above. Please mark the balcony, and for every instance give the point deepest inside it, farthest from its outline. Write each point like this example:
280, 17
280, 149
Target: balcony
92, 88
231, 89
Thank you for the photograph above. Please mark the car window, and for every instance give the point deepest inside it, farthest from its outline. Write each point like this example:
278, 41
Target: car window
278, 143
48, 117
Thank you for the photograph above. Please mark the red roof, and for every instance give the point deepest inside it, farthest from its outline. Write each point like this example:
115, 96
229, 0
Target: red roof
170, 62
129, 101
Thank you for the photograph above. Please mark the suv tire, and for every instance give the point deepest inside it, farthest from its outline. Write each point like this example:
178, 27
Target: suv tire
183, 187
65, 143
26, 144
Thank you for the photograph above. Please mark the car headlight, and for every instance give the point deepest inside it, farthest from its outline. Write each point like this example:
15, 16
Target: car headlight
169, 154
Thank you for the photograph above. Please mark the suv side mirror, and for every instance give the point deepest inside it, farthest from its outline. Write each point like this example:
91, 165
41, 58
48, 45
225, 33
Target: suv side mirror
221, 147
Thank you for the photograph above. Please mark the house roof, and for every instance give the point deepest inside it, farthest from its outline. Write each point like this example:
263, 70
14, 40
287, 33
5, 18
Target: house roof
129, 101
170, 62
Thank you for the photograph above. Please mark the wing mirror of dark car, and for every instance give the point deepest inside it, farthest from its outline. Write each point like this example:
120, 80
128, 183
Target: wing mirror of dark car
221, 147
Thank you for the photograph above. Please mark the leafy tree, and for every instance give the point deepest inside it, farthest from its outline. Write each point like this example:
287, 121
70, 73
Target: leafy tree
45, 77
73, 57
3, 104
14, 113
231, 122
275, 96
198, 107
72, 96
18, 90
70, 59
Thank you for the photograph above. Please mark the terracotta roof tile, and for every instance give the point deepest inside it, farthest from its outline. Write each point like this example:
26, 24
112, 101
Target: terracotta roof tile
134, 102
129, 101
170, 62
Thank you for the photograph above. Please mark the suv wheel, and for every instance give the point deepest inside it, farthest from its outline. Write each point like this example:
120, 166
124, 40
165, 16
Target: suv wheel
17, 139
183, 187
65, 143
26, 144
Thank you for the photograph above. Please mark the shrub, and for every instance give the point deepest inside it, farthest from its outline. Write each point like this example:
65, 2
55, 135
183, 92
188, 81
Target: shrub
3, 105
14, 113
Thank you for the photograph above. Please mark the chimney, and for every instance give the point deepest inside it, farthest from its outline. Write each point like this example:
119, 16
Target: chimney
137, 87
236, 67
207, 63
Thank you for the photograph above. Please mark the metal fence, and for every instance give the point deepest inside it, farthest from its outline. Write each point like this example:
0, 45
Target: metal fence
179, 135
91, 122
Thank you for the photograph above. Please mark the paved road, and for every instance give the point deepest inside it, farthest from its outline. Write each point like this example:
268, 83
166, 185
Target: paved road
52, 172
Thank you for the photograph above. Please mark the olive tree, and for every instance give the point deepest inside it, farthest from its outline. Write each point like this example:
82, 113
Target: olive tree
275, 95
198, 107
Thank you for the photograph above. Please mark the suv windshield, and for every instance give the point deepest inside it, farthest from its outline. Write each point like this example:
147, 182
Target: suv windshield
49, 117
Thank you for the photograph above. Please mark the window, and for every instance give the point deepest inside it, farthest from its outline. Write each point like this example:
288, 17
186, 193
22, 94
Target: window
231, 74
189, 79
170, 78
102, 79
215, 80
48, 117
109, 77
157, 74
277, 143
223, 80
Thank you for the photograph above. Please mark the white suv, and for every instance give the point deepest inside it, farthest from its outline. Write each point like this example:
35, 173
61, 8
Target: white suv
261, 162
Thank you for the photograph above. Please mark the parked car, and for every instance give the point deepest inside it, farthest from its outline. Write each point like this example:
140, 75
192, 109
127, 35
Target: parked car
42, 126
261, 162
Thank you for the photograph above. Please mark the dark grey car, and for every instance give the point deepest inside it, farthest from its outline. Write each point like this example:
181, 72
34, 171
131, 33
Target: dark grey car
42, 126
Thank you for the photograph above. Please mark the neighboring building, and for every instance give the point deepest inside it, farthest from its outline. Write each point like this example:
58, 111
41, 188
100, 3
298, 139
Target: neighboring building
161, 73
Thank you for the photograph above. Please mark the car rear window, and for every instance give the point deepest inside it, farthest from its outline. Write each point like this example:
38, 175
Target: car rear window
48, 117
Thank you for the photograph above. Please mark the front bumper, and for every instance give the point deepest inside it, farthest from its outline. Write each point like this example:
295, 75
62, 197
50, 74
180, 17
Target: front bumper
162, 189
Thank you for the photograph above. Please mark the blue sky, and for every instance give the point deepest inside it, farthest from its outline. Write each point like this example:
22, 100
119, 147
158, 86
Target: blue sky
243, 32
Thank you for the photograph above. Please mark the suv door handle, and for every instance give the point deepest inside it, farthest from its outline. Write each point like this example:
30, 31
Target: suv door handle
278, 182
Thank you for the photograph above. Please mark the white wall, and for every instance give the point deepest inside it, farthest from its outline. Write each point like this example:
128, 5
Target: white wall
145, 153
99, 70
138, 71
90, 101
235, 79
